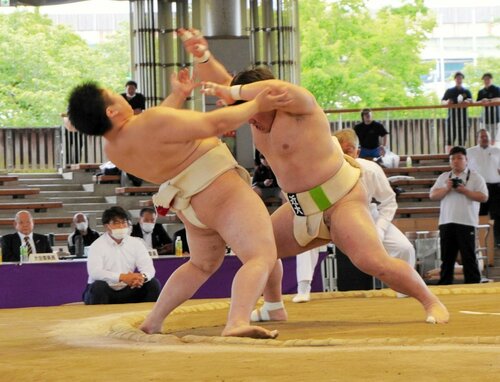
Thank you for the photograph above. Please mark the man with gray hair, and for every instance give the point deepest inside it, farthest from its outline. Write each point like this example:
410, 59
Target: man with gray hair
83, 231
35, 243
485, 159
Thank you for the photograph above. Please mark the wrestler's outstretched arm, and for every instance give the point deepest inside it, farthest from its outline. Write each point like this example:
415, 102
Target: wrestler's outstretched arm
182, 85
188, 125
207, 68
301, 100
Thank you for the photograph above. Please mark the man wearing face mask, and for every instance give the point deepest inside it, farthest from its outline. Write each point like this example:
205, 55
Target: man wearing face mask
119, 266
82, 230
153, 233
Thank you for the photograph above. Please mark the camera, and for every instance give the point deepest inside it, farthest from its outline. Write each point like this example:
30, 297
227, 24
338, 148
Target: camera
456, 182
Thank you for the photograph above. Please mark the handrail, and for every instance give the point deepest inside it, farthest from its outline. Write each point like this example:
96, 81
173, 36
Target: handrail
423, 107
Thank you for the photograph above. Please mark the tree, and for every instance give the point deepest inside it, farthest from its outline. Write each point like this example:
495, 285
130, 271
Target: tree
352, 59
41, 62
474, 72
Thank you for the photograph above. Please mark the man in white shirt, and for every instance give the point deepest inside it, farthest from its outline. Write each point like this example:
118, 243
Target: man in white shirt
119, 266
485, 159
460, 192
378, 188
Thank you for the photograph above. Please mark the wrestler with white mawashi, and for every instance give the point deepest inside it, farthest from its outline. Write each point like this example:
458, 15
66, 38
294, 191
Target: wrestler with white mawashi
200, 180
326, 201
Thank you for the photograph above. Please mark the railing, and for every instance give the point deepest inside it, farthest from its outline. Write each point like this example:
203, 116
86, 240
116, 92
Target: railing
413, 130
46, 149
418, 129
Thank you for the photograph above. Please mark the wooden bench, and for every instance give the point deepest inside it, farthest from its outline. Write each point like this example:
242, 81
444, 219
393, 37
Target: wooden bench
19, 192
408, 211
36, 206
85, 166
414, 182
424, 157
415, 170
143, 190
414, 195
101, 179
61, 237
58, 221
146, 203
8, 178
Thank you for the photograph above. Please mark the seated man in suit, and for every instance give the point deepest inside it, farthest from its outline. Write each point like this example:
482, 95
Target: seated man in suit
82, 230
119, 266
11, 243
153, 233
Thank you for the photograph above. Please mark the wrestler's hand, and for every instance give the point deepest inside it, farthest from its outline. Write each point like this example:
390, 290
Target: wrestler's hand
266, 101
182, 84
193, 42
222, 92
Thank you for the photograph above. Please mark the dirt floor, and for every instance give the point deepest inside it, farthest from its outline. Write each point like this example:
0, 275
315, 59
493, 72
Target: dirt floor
335, 337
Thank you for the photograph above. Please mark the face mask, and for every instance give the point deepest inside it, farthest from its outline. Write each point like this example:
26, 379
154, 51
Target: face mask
148, 227
120, 233
82, 226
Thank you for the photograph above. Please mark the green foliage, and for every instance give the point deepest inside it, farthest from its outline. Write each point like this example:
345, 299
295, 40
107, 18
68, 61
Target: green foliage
41, 62
473, 73
351, 58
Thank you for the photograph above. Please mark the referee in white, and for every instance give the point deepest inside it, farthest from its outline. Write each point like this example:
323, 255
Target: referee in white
460, 192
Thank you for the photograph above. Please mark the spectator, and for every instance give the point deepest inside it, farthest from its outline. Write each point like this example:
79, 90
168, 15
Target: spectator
119, 266
264, 181
152, 232
460, 191
457, 117
372, 135
82, 230
11, 243
135, 99
485, 159
491, 114
383, 207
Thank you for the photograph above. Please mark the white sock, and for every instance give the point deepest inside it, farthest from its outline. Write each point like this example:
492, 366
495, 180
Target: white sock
273, 305
304, 287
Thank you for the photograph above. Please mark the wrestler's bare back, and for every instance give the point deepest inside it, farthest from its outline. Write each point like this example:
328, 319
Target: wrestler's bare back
139, 149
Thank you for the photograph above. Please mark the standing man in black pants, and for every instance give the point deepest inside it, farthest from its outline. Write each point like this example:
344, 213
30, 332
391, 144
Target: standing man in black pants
457, 122
485, 159
460, 192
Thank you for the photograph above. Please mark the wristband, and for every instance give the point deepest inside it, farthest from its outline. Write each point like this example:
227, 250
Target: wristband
235, 92
204, 58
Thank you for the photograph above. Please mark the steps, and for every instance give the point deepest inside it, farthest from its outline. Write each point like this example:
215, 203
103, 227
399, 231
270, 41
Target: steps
78, 193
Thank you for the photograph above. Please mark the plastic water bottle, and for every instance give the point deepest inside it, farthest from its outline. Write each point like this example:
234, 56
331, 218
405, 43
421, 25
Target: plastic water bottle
178, 246
23, 254
408, 161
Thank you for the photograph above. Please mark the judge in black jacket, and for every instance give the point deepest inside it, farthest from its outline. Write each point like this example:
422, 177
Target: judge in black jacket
153, 233
11, 243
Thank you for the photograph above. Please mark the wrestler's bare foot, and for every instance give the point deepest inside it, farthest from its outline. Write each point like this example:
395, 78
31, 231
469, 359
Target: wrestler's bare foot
249, 331
148, 328
262, 314
437, 313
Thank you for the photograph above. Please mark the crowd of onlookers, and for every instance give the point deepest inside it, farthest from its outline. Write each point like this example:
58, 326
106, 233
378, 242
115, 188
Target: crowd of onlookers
119, 263
120, 267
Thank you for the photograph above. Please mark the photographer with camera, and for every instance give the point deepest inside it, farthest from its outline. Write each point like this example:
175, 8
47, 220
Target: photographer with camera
460, 191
